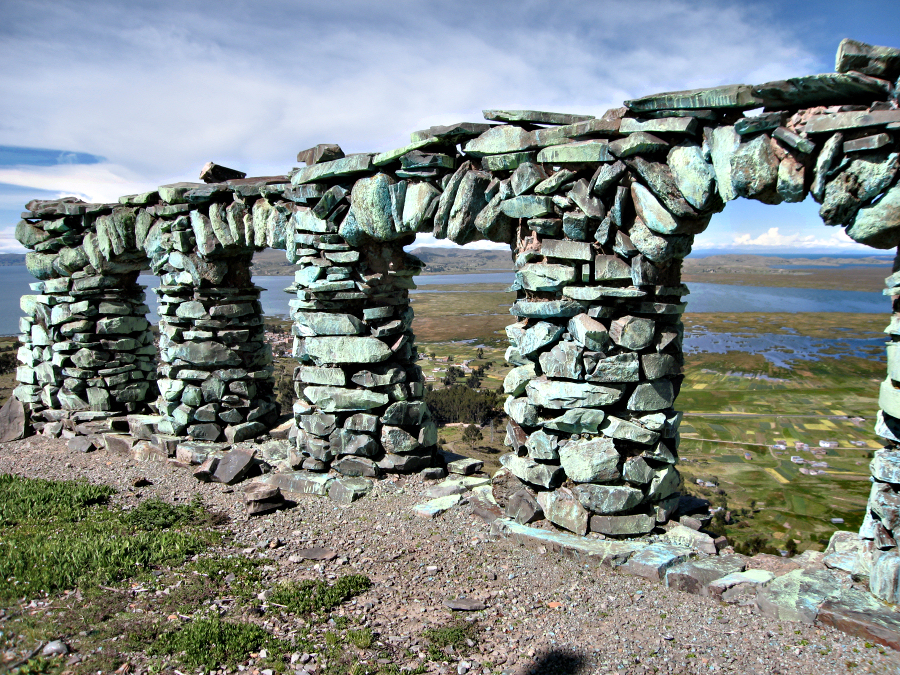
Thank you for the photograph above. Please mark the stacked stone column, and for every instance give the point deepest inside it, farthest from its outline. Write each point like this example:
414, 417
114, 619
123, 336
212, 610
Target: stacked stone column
360, 409
215, 371
597, 351
878, 555
87, 350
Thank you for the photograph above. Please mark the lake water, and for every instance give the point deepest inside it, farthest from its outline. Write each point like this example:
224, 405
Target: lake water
783, 350
14, 280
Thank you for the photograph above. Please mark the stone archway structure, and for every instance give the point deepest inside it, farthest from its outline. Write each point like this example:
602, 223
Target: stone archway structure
598, 212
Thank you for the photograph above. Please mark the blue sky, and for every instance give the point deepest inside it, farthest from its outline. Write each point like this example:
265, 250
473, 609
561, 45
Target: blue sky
111, 98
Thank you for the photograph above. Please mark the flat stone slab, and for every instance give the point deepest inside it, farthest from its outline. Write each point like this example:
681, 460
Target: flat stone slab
445, 489
435, 507
348, 490
858, 613
822, 124
314, 553
465, 466
726, 586
81, 444
653, 561
233, 466
694, 576
457, 486
601, 551
796, 596
464, 604
299, 482
686, 536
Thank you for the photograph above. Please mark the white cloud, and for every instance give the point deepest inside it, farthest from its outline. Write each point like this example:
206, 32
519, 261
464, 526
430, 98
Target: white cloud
773, 238
97, 183
427, 240
160, 89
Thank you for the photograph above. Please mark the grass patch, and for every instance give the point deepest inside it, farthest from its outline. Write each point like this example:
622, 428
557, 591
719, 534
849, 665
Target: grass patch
59, 535
457, 635
36, 499
361, 638
311, 597
209, 643
239, 574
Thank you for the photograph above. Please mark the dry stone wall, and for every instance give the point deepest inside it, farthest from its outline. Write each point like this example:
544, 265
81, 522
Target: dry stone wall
598, 213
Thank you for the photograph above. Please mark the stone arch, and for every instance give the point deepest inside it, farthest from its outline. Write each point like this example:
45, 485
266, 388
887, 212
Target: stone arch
598, 212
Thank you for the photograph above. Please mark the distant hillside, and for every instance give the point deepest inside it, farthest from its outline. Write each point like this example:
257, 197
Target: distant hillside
12, 259
440, 260
764, 264
272, 263
450, 260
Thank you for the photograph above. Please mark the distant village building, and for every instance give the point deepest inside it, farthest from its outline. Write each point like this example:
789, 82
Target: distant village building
828, 444
797, 460
747, 455
801, 446
780, 445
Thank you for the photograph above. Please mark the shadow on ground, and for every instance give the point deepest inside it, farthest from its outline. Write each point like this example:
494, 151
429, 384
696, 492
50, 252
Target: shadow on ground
556, 662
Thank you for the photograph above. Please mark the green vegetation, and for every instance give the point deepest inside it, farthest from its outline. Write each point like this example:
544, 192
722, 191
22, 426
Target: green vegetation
463, 404
471, 435
460, 635
61, 535
309, 596
212, 642
116, 584
733, 417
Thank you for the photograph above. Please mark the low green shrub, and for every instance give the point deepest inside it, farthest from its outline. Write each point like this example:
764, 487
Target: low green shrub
57, 535
308, 597
209, 643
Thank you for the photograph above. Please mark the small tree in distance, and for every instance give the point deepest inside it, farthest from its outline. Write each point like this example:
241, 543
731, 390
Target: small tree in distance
471, 435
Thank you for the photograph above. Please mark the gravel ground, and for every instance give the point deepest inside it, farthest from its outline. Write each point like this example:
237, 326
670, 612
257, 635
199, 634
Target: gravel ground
545, 614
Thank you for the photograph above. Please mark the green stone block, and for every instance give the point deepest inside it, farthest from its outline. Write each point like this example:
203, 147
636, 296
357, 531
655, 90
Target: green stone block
346, 166
590, 461
347, 349
508, 161
558, 394
607, 499
545, 276
502, 139
527, 206
330, 399
577, 421
737, 96
576, 153
879, 225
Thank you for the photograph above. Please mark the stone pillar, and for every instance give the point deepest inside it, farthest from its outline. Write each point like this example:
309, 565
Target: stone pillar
87, 351
360, 409
879, 556
215, 370
598, 358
